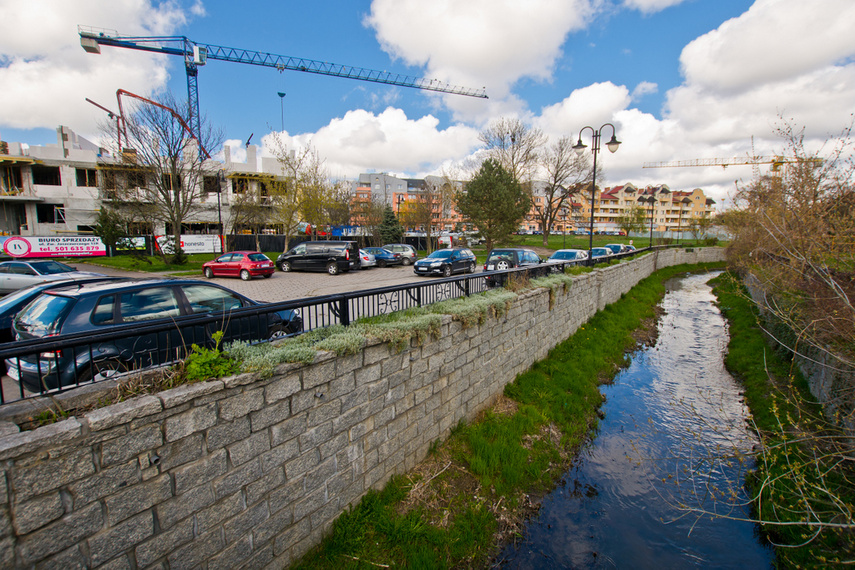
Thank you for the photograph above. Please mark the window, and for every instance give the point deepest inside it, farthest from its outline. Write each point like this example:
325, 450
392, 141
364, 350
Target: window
210, 185
103, 312
46, 213
59, 214
207, 299
86, 177
169, 180
10, 179
240, 185
46, 175
136, 179
147, 304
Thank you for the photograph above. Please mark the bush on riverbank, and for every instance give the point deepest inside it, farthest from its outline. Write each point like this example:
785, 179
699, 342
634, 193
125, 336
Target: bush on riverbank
804, 483
475, 489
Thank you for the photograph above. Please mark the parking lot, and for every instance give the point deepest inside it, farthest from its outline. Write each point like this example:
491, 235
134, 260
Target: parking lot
296, 285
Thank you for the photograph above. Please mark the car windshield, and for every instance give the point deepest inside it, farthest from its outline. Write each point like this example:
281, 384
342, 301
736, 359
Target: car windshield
258, 257
43, 316
50, 267
500, 255
440, 254
563, 255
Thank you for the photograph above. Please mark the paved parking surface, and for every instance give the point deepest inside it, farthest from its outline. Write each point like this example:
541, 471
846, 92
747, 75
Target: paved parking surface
296, 285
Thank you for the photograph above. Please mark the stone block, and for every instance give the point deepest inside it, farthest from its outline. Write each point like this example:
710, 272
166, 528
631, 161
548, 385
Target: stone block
123, 412
188, 392
196, 552
368, 374
242, 524
277, 456
103, 483
177, 453
44, 474
241, 404
282, 388
224, 434
192, 421
37, 512
60, 534
318, 374
200, 471
213, 516
256, 490
233, 556
130, 445
17, 444
115, 540
185, 505
249, 448
137, 498
274, 525
163, 543
301, 465
315, 436
323, 413
289, 429
236, 479
270, 414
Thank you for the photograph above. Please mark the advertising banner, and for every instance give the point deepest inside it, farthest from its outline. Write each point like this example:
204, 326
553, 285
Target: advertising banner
203, 243
60, 246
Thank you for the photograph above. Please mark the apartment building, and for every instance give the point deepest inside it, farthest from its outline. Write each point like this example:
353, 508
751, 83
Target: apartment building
58, 189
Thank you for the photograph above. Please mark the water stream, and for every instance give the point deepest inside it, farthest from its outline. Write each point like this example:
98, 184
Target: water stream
669, 410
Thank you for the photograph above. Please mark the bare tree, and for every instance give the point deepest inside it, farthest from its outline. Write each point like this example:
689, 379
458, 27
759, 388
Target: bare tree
433, 202
164, 164
514, 146
564, 171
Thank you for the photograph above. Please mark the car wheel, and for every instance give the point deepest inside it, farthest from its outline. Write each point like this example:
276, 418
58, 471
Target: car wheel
277, 332
209, 273
99, 371
472, 267
244, 274
503, 265
285, 266
381, 264
446, 271
332, 268
408, 261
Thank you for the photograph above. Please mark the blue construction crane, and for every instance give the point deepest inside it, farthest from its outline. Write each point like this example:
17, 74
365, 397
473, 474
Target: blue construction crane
196, 55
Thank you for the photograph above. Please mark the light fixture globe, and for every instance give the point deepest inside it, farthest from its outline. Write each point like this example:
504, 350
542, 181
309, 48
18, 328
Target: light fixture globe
579, 147
612, 144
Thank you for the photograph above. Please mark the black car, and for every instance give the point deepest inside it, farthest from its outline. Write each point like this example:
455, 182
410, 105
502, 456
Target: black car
330, 256
446, 261
104, 306
383, 257
11, 304
509, 258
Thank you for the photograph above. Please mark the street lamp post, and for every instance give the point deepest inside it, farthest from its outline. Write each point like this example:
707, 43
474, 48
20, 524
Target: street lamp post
652, 201
221, 177
612, 145
564, 226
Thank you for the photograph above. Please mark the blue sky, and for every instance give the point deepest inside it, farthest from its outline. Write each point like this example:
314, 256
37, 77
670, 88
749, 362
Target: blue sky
680, 79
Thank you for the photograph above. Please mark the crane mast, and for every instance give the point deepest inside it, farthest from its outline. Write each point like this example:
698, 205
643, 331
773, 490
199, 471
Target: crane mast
197, 54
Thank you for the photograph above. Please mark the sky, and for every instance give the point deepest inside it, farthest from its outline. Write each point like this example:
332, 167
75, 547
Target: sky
678, 79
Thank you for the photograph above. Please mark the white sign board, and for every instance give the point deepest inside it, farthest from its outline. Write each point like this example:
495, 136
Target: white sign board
203, 243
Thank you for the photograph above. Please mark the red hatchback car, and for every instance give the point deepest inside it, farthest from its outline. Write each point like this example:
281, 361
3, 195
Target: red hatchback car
243, 264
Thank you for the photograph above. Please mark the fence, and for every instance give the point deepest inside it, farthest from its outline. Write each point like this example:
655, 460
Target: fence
59, 363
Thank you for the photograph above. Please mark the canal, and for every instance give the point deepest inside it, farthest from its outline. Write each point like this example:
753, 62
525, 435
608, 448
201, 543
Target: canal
668, 417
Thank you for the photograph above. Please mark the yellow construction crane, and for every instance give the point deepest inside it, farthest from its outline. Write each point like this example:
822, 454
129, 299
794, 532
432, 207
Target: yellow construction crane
776, 161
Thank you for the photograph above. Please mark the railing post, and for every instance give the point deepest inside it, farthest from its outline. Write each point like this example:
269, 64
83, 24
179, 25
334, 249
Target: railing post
344, 311
466, 286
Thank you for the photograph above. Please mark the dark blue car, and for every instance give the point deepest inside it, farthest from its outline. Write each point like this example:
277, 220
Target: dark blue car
385, 257
105, 307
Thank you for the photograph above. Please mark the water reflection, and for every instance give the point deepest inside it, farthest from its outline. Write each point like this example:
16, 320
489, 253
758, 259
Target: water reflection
663, 414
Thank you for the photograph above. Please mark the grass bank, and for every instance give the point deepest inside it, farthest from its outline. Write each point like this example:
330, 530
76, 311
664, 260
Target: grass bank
803, 483
475, 489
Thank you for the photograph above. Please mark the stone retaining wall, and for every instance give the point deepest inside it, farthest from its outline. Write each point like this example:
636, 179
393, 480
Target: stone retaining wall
248, 472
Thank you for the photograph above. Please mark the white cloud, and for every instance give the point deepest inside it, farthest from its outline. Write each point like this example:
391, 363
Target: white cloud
489, 43
46, 75
644, 88
650, 6
593, 105
362, 141
774, 40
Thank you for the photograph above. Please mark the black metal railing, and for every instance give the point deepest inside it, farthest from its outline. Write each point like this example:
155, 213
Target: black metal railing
67, 361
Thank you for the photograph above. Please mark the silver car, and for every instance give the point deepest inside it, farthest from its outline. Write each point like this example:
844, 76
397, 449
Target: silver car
366, 259
18, 274
407, 252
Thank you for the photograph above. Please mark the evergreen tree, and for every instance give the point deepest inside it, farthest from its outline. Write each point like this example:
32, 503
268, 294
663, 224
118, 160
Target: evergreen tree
494, 202
390, 229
